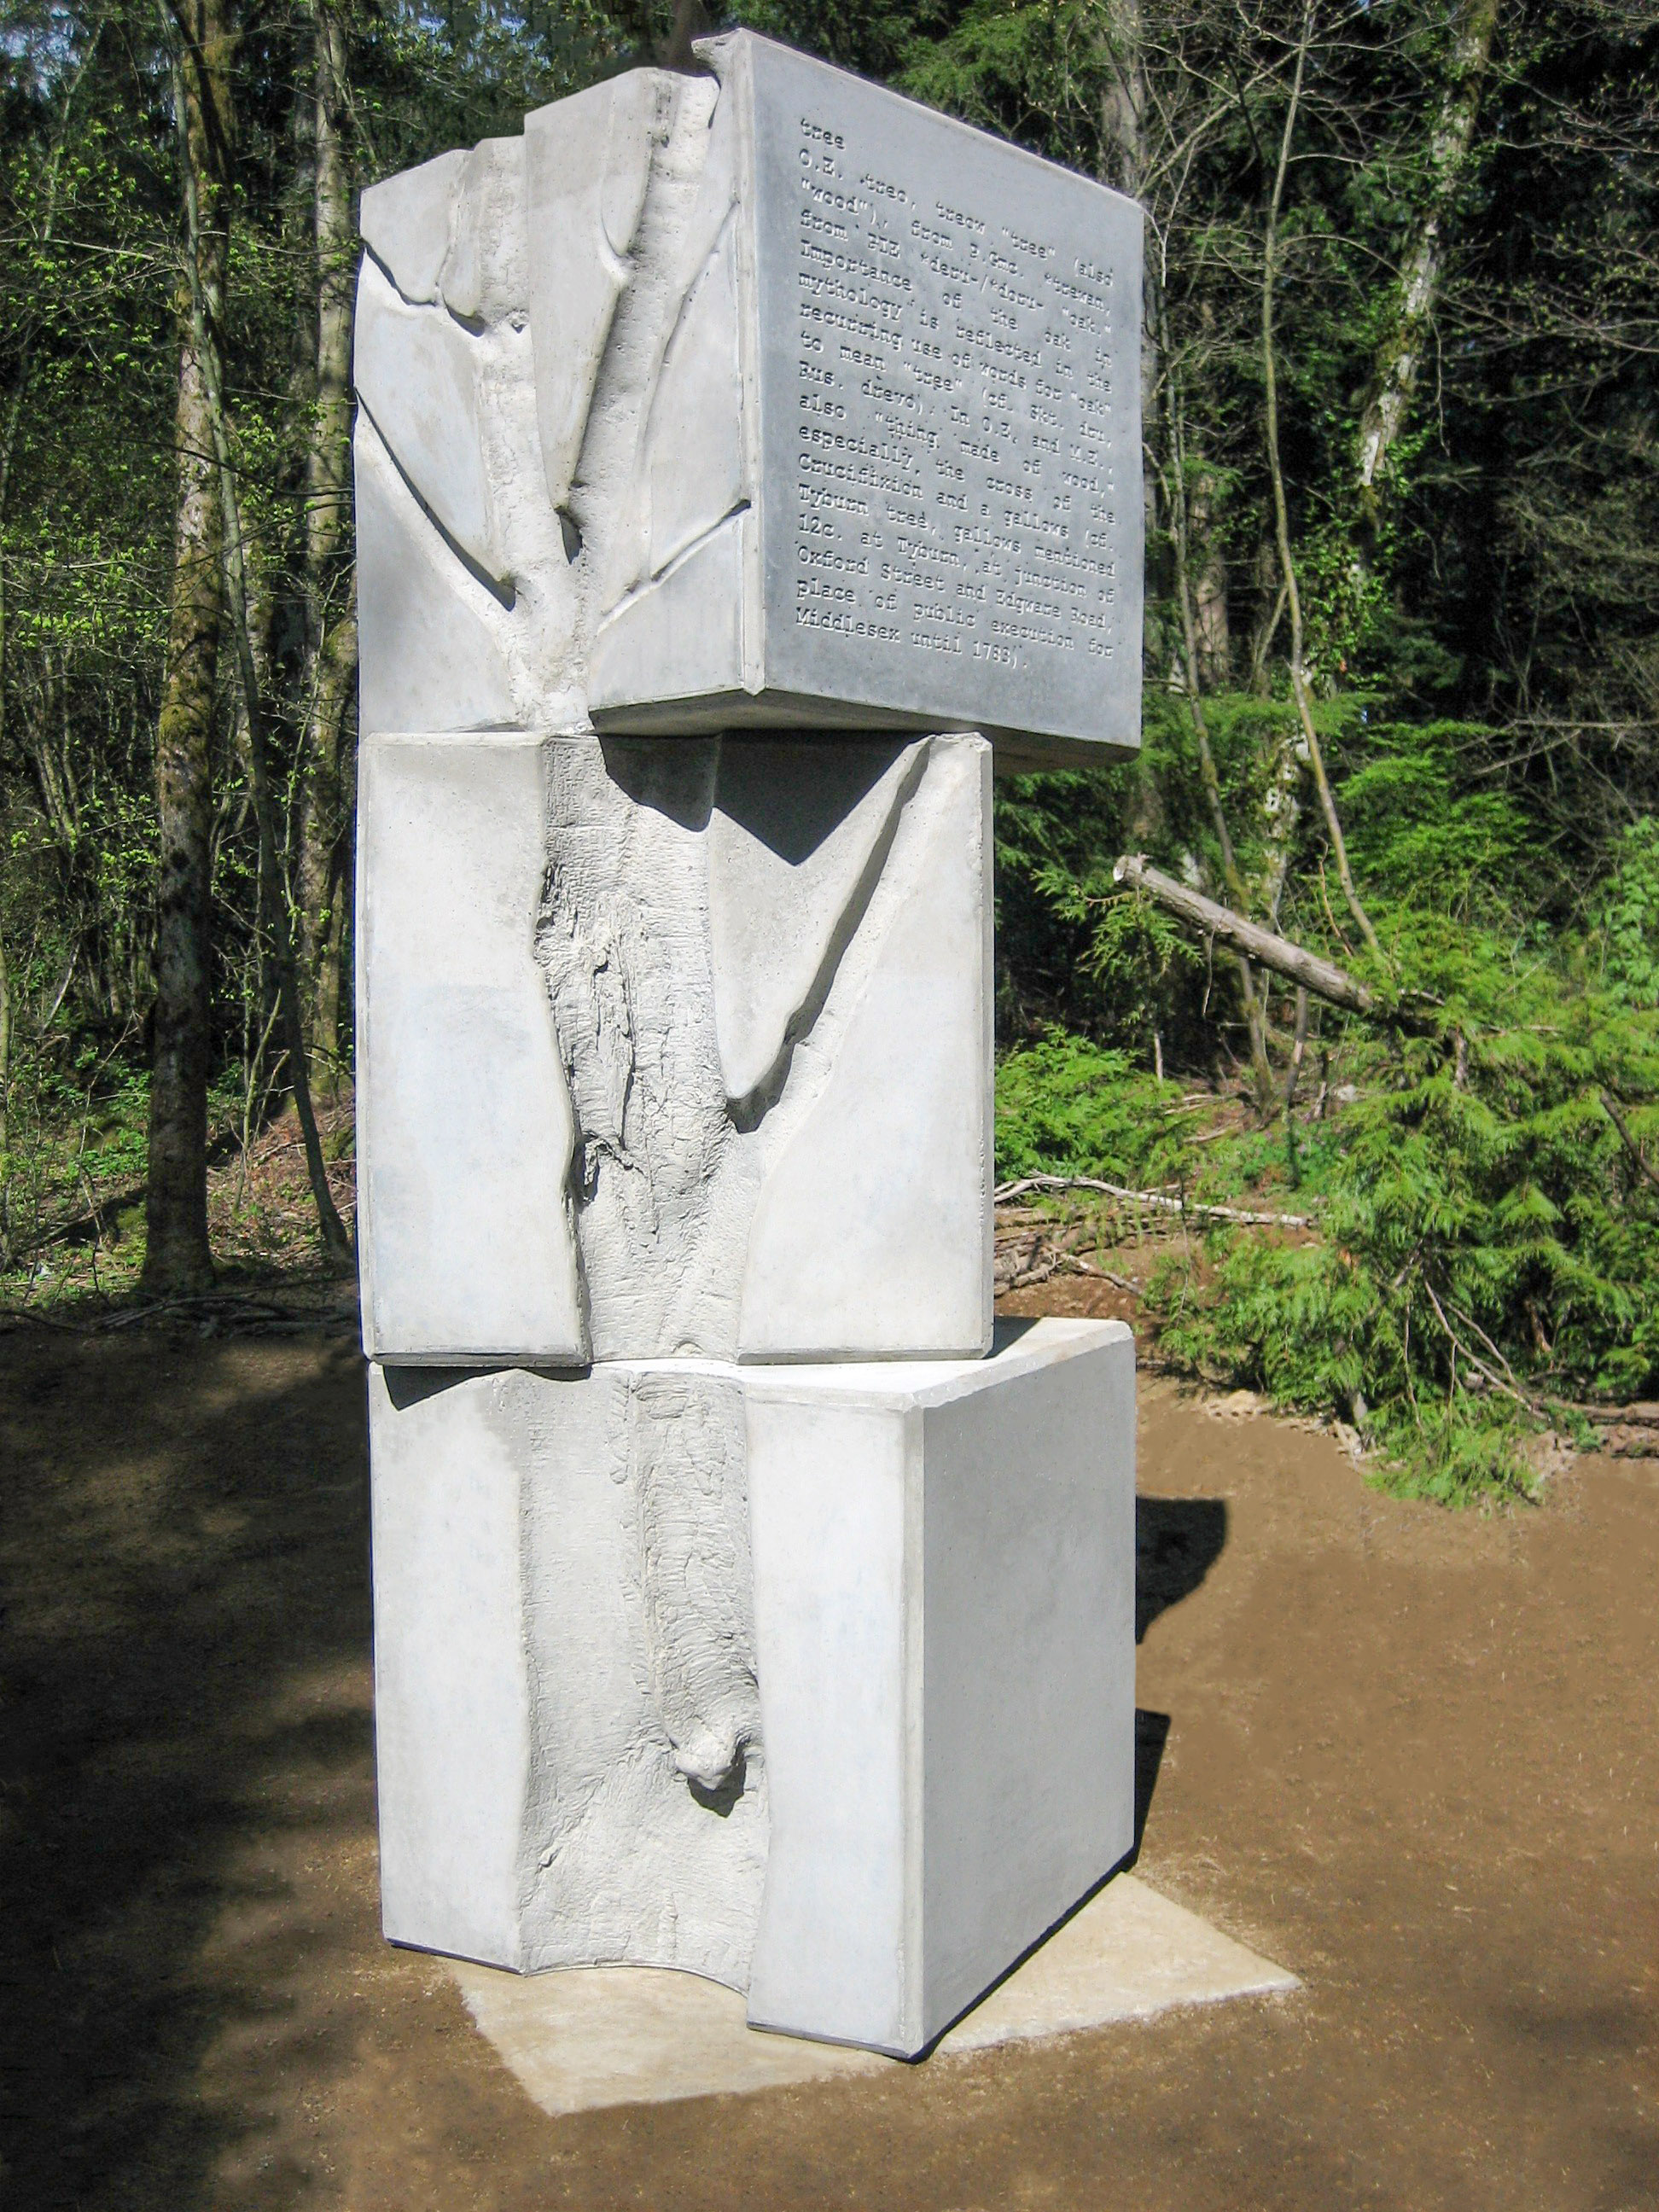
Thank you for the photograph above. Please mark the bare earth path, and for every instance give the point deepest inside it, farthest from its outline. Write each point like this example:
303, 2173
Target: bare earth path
1412, 1757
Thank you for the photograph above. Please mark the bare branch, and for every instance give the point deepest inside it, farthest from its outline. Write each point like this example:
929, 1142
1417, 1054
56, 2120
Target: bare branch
1159, 1202
1629, 1141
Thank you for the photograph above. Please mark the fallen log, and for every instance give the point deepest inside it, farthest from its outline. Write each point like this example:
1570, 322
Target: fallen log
1159, 1202
1322, 977
1643, 1415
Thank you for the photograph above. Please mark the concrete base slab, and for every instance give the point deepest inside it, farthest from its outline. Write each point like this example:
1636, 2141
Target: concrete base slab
588, 2037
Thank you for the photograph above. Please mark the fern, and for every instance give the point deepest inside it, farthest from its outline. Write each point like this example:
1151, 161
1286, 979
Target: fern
1489, 1255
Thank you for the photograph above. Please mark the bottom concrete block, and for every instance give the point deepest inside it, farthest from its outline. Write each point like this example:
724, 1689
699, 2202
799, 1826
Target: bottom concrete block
943, 1558
816, 1680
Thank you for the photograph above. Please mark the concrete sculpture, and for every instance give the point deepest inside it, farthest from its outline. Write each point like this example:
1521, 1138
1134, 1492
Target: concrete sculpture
739, 457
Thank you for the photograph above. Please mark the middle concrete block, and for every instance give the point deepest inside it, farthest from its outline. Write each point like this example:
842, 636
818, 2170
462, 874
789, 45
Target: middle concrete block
674, 1047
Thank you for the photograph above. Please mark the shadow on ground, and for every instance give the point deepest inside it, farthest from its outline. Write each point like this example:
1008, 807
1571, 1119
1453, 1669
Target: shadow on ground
185, 1732
1412, 1757
183, 1541
1177, 1541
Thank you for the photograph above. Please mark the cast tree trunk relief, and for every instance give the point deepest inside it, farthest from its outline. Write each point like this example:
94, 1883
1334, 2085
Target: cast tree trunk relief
736, 452
707, 934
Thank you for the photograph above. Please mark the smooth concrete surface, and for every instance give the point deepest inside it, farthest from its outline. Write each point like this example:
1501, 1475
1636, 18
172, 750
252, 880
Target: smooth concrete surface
582, 2040
949, 456
798, 839
463, 1117
759, 398
944, 1560
431, 644
874, 1227
453, 1703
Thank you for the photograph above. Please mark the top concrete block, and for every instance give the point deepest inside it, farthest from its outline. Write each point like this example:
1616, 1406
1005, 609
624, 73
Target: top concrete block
767, 399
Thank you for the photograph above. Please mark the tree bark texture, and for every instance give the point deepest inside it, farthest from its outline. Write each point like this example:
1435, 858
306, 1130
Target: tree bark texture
325, 855
210, 356
1208, 577
1281, 511
1399, 357
330, 623
1122, 166
691, 22
176, 1258
1254, 1010
1123, 102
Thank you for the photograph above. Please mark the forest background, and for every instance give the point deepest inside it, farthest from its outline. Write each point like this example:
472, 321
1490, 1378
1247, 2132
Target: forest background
1399, 364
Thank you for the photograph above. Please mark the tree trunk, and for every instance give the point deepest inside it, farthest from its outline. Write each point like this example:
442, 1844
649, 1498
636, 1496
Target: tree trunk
1122, 166
1270, 612
326, 869
1255, 1002
210, 356
177, 1259
5, 1106
1124, 101
1209, 585
1400, 356
691, 22
262, 618
331, 627
1281, 511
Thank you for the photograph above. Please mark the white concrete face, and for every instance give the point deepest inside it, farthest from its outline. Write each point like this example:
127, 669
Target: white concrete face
761, 398
642, 1022
453, 1723
798, 829
405, 223
944, 1610
1028, 1650
431, 653
465, 1125
886, 1183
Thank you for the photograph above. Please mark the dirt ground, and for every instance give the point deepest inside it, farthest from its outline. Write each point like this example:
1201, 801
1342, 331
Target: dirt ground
1411, 1756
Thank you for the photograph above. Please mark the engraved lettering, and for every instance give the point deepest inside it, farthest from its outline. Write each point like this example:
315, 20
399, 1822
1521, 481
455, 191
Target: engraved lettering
959, 414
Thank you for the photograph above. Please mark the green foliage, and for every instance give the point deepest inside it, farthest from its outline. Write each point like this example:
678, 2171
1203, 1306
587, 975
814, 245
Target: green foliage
1420, 833
1487, 1256
1067, 1107
1627, 911
1135, 955
1056, 836
1032, 71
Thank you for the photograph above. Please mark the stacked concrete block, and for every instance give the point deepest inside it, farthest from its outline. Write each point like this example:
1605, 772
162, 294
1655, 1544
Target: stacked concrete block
735, 451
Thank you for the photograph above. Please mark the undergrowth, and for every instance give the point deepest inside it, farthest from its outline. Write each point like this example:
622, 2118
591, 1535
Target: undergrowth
1484, 1263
